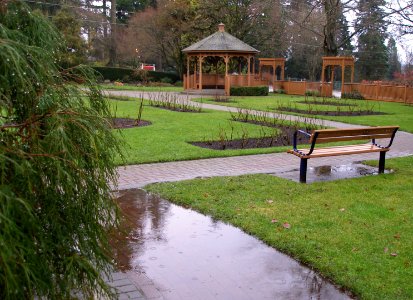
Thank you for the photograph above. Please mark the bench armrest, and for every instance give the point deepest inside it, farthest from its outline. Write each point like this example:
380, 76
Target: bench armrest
373, 141
295, 137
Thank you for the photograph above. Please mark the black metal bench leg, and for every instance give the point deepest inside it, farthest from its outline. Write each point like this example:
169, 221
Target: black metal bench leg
303, 170
382, 162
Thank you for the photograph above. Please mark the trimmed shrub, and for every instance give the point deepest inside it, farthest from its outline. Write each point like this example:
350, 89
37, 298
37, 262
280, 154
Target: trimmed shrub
249, 91
158, 76
279, 91
313, 93
352, 95
166, 80
112, 74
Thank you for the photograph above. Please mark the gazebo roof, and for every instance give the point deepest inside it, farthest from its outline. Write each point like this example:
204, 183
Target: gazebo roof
220, 41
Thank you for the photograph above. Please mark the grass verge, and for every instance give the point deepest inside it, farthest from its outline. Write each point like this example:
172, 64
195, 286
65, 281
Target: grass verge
168, 136
357, 232
397, 113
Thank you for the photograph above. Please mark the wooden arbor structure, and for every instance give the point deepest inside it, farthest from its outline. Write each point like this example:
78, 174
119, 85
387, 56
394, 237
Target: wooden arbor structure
273, 63
338, 61
223, 45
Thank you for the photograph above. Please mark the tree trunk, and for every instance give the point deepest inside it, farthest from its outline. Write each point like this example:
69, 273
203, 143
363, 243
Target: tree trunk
112, 45
105, 26
331, 9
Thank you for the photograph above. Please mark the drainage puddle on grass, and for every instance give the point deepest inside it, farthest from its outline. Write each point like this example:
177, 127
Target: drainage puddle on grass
191, 256
329, 173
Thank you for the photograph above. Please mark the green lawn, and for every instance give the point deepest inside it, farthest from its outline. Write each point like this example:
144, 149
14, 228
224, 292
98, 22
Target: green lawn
168, 136
357, 232
141, 88
397, 113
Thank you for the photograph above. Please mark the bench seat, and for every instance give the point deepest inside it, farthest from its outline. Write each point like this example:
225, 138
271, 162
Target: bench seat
338, 150
319, 136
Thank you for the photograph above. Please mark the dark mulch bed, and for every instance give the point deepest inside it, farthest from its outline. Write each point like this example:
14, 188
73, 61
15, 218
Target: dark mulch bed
328, 103
120, 123
284, 138
331, 113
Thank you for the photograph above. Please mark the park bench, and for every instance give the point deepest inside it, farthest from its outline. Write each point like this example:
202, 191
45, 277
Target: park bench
336, 135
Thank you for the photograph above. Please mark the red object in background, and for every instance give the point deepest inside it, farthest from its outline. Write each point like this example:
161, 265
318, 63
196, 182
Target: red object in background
148, 67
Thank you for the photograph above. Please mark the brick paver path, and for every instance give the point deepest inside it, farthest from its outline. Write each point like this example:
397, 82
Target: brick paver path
134, 286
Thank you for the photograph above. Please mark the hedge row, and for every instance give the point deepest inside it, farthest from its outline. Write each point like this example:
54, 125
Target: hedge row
127, 75
249, 91
352, 95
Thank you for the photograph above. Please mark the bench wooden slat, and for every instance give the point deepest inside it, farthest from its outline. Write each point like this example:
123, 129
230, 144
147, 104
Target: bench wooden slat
353, 138
355, 133
339, 150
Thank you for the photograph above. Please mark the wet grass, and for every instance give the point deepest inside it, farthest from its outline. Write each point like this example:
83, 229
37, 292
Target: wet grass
167, 139
397, 113
357, 232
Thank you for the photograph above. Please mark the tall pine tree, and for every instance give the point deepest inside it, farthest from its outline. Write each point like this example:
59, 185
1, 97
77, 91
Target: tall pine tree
372, 56
394, 63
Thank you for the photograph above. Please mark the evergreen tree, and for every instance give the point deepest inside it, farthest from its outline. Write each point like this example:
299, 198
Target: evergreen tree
394, 63
56, 162
372, 57
67, 23
126, 8
343, 36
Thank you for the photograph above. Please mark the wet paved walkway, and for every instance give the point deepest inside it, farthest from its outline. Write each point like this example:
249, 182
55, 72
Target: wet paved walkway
192, 256
137, 176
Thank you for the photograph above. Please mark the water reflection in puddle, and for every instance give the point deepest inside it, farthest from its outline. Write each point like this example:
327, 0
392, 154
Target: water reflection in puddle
191, 256
329, 173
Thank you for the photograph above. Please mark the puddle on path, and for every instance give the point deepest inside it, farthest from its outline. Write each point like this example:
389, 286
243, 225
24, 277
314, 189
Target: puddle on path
329, 173
191, 256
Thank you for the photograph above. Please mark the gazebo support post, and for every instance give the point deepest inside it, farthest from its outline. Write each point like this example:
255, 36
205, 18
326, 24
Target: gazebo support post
274, 74
352, 74
323, 74
343, 69
332, 75
227, 81
195, 74
216, 75
249, 71
283, 71
187, 72
200, 72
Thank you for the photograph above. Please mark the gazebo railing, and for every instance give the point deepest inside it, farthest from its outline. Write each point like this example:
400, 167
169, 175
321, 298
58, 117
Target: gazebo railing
218, 81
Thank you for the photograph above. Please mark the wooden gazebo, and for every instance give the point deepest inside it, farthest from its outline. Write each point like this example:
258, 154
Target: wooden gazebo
224, 46
338, 61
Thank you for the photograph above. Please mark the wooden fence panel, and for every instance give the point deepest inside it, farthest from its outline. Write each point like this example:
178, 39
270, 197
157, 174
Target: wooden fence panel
295, 87
408, 95
388, 93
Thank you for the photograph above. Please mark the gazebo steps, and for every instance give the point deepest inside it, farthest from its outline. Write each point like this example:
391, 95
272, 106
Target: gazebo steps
209, 92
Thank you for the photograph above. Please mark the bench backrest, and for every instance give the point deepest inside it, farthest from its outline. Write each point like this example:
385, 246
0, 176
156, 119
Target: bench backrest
366, 133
